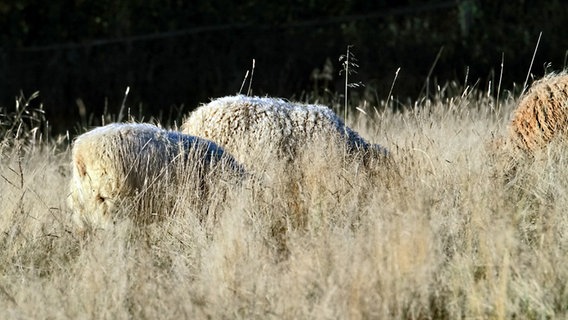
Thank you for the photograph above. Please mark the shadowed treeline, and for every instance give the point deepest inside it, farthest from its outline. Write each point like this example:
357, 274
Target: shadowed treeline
181, 54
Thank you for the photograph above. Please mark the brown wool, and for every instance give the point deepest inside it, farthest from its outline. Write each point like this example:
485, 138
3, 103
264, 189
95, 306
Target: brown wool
542, 113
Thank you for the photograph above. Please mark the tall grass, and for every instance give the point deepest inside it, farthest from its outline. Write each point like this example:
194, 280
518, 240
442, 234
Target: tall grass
445, 232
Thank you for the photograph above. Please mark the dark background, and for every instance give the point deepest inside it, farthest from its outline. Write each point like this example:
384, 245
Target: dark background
175, 54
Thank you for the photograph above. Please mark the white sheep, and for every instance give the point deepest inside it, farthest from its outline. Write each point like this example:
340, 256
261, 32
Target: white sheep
247, 126
142, 169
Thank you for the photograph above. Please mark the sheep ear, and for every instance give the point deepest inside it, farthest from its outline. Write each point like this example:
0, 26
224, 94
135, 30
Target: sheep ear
81, 167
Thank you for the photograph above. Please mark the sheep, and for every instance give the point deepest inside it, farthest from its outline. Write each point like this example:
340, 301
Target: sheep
141, 169
247, 126
542, 113
300, 152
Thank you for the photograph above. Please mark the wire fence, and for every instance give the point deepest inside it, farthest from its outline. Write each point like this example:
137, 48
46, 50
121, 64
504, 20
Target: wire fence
408, 10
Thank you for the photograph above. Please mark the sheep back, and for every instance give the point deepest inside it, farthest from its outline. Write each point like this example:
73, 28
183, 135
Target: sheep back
542, 113
243, 124
116, 162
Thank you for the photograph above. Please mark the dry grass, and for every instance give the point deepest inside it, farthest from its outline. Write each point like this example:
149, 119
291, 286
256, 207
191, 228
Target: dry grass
441, 235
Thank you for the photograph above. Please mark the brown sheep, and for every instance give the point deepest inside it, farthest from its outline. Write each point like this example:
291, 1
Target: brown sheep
542, 113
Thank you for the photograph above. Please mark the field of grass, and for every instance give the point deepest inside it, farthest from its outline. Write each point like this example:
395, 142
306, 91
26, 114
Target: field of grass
446, 231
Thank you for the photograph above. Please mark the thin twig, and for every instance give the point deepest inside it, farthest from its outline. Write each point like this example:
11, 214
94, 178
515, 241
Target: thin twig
392, 86
346, 70
20, 168
427, 82
532, 61
9, 296
243, 84
10, 182
500, 78
249, 91
123, 105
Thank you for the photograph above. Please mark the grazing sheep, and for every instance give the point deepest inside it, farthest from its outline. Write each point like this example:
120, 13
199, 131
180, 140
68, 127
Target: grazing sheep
142, 169
542, 113
303, 153
247, 126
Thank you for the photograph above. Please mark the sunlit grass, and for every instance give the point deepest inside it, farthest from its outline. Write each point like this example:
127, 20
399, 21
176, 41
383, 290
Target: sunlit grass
450, 232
